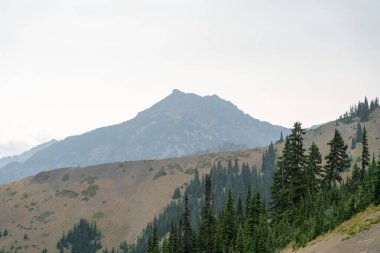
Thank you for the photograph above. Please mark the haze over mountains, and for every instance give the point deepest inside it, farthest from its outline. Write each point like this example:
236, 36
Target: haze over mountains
179, 125
25, 155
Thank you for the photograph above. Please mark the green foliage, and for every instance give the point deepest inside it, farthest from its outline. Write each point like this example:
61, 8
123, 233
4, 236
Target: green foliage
44, 216
66, 193
98, 215
314, 171
186, 232
306, 202
365, 151
66, 177
177, 193
84, 238
124, 247
159, 174
288, 182
377, 185
90, 191
153, 241
364, 110
336, 161
229, 222
353, 143
361, 111
359, 133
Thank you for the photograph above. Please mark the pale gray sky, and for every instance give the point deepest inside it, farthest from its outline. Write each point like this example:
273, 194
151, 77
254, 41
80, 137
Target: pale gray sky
70, 66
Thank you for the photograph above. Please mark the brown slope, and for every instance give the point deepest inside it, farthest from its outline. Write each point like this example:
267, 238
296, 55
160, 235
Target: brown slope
127, 197
120, 197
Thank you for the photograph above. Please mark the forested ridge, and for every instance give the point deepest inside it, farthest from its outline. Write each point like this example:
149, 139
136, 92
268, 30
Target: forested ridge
292, 198
238, 208
241, 209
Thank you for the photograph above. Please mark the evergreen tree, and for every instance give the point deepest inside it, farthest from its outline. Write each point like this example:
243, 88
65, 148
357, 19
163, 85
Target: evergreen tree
84, 237
356, 177
313, 170
336, 161
353, 143
153, 241
165, 246
365, 152
124, 247
365, 111
372, 106
177, 193
296, 164
289, 185
186, 230
240, 212
229, 222
239, 245
206, 229
279, 189
281, 138
376, 193
236, 168
173, 239
359, 133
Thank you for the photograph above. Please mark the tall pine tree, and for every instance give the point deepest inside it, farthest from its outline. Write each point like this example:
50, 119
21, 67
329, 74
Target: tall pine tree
289, 185
365, 152
313, 170
336, 161
207, 222
187, 232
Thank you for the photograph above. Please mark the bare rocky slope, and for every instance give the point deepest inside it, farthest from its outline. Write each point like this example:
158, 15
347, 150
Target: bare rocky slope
123, 197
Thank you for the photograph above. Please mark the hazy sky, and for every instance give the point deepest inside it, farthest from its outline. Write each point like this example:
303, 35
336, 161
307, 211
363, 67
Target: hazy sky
70, 66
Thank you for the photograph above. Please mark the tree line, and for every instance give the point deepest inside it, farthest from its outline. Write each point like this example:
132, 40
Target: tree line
237, 208
361, 111
308, 199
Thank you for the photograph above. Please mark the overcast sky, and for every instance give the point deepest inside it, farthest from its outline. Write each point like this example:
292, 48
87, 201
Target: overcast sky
70, 66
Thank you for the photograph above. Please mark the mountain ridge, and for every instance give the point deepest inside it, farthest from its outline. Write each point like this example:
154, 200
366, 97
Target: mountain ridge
26, 154
179, 125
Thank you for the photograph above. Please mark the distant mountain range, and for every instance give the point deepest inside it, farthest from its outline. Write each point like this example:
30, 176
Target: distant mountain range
25, 155
181, 124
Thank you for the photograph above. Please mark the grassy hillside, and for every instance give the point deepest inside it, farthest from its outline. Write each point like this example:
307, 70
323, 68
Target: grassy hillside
359, 234
122, 197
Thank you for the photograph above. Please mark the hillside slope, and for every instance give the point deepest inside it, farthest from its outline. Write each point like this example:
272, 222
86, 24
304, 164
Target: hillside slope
365, 233
179, 125
122, 197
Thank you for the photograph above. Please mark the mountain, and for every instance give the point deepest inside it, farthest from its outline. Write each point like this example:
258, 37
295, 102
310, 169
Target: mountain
179, 125
123, 197
25, 155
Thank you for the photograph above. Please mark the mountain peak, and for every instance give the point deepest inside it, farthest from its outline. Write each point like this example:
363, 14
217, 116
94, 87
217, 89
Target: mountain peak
181, 124
177, 91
